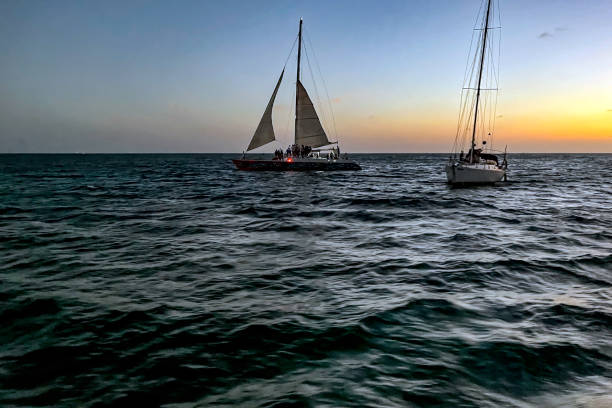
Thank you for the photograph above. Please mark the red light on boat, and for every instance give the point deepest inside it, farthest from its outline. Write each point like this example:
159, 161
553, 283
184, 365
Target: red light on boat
289, 159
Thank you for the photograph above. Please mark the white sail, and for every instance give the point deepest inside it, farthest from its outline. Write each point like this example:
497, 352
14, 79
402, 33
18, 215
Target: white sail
308, 129
265, 131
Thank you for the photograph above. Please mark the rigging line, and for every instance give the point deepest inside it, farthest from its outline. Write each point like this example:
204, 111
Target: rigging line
463, 100
471, 96
473, 66
316, 60
286, 132
458, 130
478, 16
493, 63
462, 108
486, 119
461, 125
467, 65
470, 67
316, 88
285, 66
464, 123
289, 119
480, 127
290, 52
466, 99
492, 78
498, 67
321, 111
467, 109
494, 120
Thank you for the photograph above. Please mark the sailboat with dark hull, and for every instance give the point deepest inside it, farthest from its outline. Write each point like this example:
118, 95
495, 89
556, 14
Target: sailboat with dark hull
479, 165
308, 151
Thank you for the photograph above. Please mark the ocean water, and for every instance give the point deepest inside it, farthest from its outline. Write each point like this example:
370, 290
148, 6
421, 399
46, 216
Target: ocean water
175, 280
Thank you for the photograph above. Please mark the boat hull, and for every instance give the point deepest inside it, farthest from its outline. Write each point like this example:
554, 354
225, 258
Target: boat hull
295, 165
471, 174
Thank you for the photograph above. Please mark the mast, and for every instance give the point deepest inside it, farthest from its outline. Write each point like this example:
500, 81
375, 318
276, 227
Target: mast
482, 57
297, 88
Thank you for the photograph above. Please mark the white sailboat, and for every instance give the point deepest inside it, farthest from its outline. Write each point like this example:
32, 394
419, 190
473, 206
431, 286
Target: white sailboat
479, 165
307, 153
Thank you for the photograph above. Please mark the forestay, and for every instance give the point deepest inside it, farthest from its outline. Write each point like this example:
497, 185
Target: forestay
265, 131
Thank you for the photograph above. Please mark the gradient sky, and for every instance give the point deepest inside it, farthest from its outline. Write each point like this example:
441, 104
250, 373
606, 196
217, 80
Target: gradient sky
144, 76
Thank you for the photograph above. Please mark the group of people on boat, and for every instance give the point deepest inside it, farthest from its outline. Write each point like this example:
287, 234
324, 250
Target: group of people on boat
473, 156
296, 150
292, 151
302, 151
476, 155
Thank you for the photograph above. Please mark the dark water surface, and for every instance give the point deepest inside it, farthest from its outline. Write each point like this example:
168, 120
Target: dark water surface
175, 280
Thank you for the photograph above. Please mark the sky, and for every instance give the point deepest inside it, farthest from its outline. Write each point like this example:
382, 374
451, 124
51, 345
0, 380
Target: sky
195, 76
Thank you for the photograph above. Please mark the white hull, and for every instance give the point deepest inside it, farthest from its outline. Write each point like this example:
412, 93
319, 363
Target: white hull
463, 173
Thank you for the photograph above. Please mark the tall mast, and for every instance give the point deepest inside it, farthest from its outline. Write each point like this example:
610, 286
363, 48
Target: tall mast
482, 57
297, 88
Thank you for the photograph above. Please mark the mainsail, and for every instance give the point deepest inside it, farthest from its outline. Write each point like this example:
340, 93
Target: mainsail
308, 129
265, 131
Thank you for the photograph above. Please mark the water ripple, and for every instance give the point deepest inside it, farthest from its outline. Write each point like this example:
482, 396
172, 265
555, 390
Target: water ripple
175, 280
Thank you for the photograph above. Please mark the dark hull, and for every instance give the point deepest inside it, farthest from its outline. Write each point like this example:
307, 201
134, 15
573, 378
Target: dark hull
281, 165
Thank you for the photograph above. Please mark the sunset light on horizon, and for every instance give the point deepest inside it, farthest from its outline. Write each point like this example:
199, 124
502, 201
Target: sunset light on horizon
196, 76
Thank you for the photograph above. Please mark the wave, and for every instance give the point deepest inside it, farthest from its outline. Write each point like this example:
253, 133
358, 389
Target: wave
174, 279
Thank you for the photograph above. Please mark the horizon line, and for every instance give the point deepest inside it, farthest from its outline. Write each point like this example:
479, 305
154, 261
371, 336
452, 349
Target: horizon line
240, 153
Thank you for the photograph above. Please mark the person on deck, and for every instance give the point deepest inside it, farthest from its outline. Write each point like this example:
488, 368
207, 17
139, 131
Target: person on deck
473, 156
